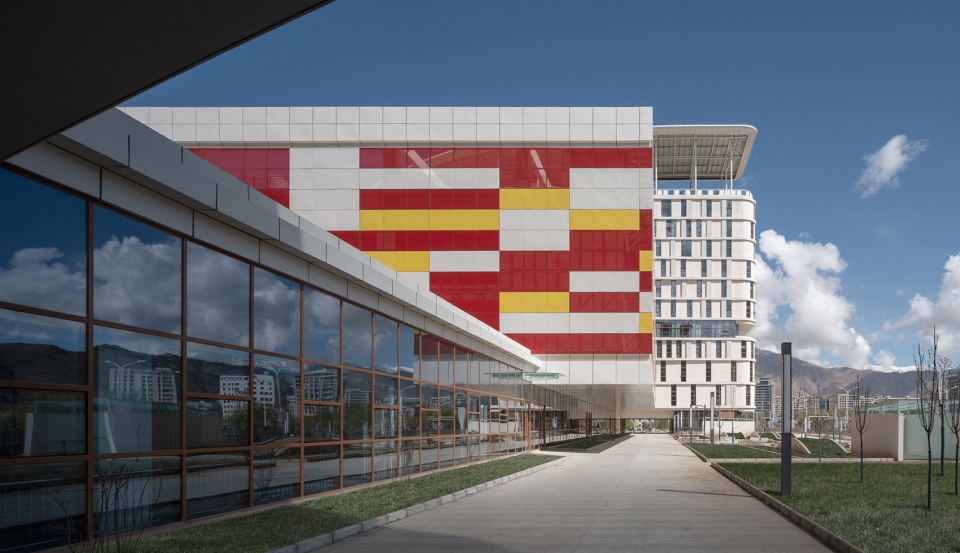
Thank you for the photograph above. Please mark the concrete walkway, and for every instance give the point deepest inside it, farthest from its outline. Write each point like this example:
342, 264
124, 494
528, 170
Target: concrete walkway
647, 494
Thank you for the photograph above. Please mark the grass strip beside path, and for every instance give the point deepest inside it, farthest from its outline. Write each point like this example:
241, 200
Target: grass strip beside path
731, 451
594, 441
288, 524
887, 513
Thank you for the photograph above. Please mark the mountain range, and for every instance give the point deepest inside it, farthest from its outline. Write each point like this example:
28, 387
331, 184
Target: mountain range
814, 380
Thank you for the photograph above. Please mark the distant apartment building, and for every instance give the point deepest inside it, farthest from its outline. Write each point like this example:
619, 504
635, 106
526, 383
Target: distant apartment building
144, 383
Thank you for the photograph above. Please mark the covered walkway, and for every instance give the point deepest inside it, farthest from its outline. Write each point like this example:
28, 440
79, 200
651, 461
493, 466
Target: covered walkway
647, 493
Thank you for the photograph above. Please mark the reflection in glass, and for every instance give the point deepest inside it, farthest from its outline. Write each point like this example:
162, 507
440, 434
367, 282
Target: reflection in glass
321, 383
429, 424
217, 482
38, 522
321, 326
42, 349
356, 464
446, 453
409, 408
462, 368
460, 451
429, 346
385, 345
475, 371
276, 403
385, 460
321, 423
429, 454
38, 423
213, 370
409, 457
135, 492
218, 296
357, 337
276, 475
473, 448
276, 313
137, 398
385, 423
137, 273
447, 412
321, 469
446, 363
43, 254
431, 398
460, 411
357, 395
385, 390
213, 423
409, 348
484, 373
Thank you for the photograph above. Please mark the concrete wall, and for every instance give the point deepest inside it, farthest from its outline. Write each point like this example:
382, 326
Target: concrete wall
883, 437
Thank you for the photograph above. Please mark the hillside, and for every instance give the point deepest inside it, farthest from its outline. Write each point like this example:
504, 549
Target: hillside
815, 380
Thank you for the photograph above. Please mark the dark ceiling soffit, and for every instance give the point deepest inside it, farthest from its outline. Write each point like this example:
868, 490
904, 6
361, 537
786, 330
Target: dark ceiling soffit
65, 62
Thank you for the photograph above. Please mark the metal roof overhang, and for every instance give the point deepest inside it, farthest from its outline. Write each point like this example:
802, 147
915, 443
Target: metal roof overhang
65, 62
717, 147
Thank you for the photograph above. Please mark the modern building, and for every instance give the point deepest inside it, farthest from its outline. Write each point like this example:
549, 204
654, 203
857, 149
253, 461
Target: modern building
418, 288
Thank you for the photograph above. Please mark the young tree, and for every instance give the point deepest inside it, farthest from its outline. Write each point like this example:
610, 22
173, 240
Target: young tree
860, 417
928, 365
953, 419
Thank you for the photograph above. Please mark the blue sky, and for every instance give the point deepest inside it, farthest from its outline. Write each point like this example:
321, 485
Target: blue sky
853, 280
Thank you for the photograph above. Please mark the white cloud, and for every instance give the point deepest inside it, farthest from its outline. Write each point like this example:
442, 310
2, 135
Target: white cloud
801, 278
943, 312
885, 164
887, 363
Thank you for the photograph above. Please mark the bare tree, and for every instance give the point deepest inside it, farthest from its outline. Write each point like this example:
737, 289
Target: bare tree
860, 416
928, 366
953, 419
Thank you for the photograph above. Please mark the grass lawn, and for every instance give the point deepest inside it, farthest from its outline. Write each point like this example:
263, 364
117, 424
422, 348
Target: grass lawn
287, 524
734, 451
830, 449
887, 513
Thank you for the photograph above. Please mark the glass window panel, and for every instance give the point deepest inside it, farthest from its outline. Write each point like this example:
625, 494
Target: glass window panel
485, 414
446, 452
385, 342
321, 469
218, 296
276, 313
429, 454
473, 446
385, 390
135, 492
217, 483
321, 423
42, 349
473, 424
137, 272
357, 400
357, 465
428, 358
462, 368
43, 254
409, 457
484, 372
320, 383
429, 425
475, 371
460, 411
386, 460
385, 423
447, 412
409, 408
460, 451
431, 399
137, 393
214, 370
39, 423
276, 399
31, 492
218, 422
357, 337
276, 475
321, 326
446, 363
473, 403
409, 347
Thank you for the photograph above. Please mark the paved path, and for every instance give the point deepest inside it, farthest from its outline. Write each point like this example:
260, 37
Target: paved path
647, 494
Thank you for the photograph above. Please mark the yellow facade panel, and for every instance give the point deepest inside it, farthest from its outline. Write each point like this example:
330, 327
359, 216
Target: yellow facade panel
646, 323
534, 302
604, 219
404, 261
646, 260
394, 219
534, 198
464, 219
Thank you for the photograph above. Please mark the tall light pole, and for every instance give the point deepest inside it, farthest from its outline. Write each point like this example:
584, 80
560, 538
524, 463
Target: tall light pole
786, 443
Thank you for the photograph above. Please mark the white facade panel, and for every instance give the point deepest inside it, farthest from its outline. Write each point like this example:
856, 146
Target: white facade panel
617, 198
534, 240
522, 323
535, 219
604, 323
459, 261
604, 281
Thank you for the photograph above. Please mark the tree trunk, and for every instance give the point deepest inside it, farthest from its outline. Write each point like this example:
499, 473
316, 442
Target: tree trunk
956, 470
861, 457
929, 473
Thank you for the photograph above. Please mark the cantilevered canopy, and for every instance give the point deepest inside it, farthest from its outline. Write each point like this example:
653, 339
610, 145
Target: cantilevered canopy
715, 148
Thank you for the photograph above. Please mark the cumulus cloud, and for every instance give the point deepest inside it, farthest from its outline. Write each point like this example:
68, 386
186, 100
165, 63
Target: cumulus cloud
801, 282
943, 311
884, 165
